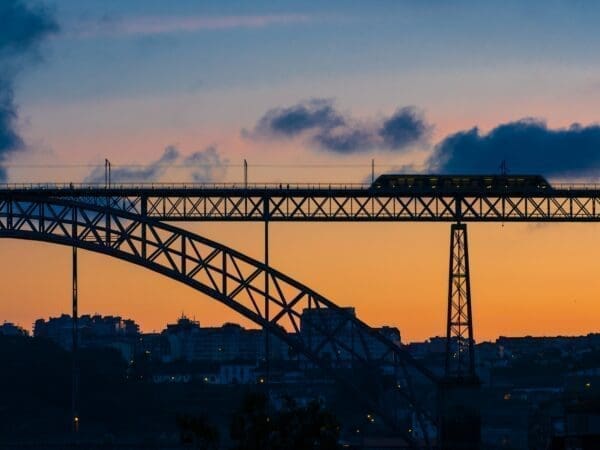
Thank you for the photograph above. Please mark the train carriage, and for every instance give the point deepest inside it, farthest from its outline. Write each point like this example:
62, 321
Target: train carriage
458, 183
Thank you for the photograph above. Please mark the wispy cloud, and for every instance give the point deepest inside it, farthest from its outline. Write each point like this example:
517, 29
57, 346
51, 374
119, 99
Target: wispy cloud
208, 165
138, 173
157, 25
203, 166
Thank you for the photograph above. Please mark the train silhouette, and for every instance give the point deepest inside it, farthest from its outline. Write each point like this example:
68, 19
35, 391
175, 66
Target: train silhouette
458, 183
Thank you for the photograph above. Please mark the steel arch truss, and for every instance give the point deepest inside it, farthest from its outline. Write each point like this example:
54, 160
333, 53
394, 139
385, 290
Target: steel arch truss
238, 281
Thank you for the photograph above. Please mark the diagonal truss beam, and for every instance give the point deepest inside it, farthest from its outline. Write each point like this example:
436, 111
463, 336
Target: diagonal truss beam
221, 273
335, 204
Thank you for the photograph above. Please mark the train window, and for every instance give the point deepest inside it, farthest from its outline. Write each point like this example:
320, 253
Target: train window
458, 182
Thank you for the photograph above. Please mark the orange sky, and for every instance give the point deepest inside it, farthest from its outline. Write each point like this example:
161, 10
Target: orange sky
526, 278
536, 279
473, 64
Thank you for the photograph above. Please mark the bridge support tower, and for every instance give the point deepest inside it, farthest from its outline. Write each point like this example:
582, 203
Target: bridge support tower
459, 400
74, 348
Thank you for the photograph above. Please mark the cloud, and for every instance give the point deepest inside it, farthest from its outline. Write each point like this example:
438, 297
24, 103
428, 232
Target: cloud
204, 166
208, 165
23, 28
157, 25
346, 139
315, 114
10, 140
527, 146
137, 173
404, 127
321, 125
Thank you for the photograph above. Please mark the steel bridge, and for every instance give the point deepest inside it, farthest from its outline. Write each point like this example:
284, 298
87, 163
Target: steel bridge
278, 202
129, 222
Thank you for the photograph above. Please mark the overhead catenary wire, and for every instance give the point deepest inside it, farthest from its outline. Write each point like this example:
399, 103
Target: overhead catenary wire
187, 166
155, 170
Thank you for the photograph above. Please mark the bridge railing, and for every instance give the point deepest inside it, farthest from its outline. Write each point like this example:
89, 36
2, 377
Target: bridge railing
161, 185
242, 186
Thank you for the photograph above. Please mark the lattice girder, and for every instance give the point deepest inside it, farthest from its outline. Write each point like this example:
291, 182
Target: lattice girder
337, 205
220, 272
459, 329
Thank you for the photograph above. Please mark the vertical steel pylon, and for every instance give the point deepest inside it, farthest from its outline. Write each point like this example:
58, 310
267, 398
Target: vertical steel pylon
74, 348
460, 358
459, 393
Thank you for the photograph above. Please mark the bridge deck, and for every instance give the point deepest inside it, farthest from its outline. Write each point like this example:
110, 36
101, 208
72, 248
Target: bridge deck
327, 202
190, 187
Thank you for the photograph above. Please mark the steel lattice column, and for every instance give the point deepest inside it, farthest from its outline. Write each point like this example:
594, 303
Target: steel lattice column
460, 358
74, 348
459, 399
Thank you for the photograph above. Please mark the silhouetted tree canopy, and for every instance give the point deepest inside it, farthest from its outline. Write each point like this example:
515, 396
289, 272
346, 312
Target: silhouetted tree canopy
292, 427
198, 431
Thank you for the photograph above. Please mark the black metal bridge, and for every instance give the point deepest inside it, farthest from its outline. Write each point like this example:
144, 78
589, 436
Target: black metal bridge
129, 222
279, 202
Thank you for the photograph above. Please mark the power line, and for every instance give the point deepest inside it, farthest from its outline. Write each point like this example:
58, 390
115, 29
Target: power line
187, 166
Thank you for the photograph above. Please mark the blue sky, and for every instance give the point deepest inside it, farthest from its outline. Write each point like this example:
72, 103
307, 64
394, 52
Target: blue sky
194, 74
342, 38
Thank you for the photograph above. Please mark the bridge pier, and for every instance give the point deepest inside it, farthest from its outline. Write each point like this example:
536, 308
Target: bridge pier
266, 216
459, 402
74, 348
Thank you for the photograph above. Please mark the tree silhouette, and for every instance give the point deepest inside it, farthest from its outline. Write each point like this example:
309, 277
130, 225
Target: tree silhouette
198, 432
249, 425
292, 427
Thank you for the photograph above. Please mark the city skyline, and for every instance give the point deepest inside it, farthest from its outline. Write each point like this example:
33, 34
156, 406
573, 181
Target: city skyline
11, 326
87, 315
300, 224
156, 90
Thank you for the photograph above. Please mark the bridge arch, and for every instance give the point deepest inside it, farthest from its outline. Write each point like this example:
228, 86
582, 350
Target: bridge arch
232, 278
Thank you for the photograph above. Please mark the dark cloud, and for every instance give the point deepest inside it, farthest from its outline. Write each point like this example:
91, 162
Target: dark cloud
319, 122
346, 139
405, 127
204, 166
23, 28
10, 140
527, 146
316, 114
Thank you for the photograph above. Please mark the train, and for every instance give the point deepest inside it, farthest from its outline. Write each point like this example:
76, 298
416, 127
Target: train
461, 183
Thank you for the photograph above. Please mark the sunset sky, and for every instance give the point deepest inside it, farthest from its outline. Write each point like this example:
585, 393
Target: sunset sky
311, 91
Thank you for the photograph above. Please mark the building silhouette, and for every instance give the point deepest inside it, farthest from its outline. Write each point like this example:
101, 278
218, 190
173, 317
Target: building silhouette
95, 331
